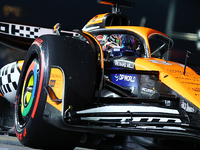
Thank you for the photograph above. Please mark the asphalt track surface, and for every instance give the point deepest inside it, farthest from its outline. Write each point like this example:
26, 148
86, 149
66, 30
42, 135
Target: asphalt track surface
12, 143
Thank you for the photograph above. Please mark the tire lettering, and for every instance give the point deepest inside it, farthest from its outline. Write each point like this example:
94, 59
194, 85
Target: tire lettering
21, 135
24, 134
16, 103
38, 42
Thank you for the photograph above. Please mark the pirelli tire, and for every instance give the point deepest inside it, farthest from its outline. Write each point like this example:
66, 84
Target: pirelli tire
30, 126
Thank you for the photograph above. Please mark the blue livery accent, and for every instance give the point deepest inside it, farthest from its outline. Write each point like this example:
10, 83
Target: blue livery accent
125, 80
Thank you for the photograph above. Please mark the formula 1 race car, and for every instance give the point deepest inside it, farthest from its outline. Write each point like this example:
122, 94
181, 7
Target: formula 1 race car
101, 83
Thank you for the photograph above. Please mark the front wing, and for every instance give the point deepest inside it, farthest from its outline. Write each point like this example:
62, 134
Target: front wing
134, 116
135, 120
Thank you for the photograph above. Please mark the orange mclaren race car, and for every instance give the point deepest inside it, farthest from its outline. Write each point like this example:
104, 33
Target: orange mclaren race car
107, 81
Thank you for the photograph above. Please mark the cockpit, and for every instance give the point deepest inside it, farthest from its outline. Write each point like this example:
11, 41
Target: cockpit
118, 45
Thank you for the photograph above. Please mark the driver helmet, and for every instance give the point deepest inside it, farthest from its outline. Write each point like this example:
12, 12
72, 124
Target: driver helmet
120, 45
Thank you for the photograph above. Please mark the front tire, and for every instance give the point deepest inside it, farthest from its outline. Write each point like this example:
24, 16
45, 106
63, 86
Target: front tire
30, 127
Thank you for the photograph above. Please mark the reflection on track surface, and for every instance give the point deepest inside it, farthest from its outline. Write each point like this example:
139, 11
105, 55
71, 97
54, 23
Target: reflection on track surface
12, 143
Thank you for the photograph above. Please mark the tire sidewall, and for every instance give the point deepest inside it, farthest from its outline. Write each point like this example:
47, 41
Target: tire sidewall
34, 122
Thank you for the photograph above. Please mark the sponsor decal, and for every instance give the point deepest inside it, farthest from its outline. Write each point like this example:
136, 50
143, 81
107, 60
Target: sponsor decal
126, 80
166, 63
56, 81
196, 89
124, 63
192, 83
186, 106
179, 72
147, 90
175, 71
160, 62
52, 83
187, 78
56, 75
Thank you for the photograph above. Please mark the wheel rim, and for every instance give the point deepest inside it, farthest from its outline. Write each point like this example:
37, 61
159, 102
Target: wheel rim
28, 92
